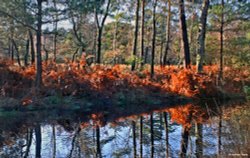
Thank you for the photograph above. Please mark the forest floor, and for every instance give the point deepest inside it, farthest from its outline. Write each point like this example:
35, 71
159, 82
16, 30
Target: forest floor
77, 86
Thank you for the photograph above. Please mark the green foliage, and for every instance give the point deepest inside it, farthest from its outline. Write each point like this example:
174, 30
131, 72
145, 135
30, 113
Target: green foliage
247, 91
54, 100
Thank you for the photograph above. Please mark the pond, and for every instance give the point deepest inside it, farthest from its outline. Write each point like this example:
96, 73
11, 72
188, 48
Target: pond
204, 129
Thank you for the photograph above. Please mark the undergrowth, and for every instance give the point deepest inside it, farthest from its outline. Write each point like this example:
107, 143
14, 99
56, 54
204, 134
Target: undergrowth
105, 81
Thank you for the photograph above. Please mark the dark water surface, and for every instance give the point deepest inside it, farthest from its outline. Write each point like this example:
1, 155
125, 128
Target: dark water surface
191, 130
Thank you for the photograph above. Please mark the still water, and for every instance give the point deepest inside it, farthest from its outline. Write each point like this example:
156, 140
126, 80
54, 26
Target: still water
191, 130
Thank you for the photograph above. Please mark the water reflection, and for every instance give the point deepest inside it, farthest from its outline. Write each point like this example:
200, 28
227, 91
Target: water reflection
182, 131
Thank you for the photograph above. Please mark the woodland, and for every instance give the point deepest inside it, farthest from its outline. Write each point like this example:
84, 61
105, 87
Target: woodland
106, 60
123, 50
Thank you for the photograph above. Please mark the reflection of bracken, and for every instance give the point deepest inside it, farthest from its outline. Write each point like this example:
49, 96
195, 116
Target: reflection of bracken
91, 131
185, 114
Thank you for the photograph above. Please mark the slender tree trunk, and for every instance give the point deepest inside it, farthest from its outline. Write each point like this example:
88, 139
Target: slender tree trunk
141, 137
12, 51
9, 47
38, 135
27, 52
98, 144
166, 133
161, 50
17, 52
74, 55
74, 139
38, 82
115, 35
199, 142
100, 27
146, 56
221, 39
153, 39
99, 45
219, 135
32, 49
183, 29
12, 38
152, 135
55, 33
45, 49
94, 43
142, 31
167, 33
184, 141
185, 136
135, 35
28, 142
202, 37
134, 138
191, 36
54, 140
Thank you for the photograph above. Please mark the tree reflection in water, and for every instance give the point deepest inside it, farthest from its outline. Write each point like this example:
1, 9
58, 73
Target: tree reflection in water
164, 132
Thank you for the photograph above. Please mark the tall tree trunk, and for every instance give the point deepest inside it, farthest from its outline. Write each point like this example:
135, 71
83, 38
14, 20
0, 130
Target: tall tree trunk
221, 39
54, 140
202, 37
219, 134
161, 50
199, 143
141, 136
152, 134
115, 35
146, 55
74, 55
38, 82
9, 47
17, 52
98, 144
99, 45
191, 35
28, 142
183, 29
27, 52
94, 45
12, 51
142, 31
32, 49
100, 27
134, 138
153, 39
38, 135
167, 33
12, 38
45, 49
135, 35
185, 136
166, 133
184, 141
55, 32
74, 139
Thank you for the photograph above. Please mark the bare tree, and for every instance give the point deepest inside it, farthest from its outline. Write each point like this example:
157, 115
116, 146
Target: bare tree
184, 34
135, 35
55, 32
100, 26
221, 39
153, 39
202, 36
167, 33
142, 31
38, 81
